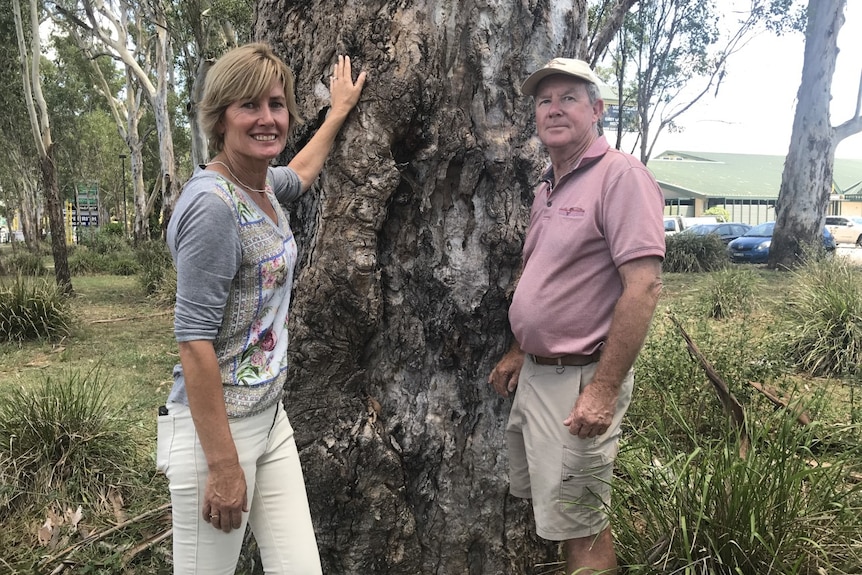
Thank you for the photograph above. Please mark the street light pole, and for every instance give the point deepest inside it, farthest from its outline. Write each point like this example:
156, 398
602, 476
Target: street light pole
125, 219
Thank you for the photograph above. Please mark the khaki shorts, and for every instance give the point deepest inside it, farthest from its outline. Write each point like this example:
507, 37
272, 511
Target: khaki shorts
567, 478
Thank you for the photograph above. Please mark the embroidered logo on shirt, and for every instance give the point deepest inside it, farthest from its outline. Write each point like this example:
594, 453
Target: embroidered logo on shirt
571, 212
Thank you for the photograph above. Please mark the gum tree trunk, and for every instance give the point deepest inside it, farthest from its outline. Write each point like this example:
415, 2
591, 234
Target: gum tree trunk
806, 182
410, 245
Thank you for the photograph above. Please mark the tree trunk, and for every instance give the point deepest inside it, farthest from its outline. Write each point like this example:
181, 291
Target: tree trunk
806, 182
410, 247
54, 206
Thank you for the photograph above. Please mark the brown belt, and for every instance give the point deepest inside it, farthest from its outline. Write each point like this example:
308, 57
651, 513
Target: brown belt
571, 359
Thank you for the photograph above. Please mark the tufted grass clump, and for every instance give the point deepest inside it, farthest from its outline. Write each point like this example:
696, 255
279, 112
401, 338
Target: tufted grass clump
730, 292
24, 263
694, 253
825, 311
62, 440
32, 309
783, 508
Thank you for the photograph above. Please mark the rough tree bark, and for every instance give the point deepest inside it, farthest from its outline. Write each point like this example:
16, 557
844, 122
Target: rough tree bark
410, 245
806, 182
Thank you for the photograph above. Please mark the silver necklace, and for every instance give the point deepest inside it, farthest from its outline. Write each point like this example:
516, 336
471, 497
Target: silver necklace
237, 180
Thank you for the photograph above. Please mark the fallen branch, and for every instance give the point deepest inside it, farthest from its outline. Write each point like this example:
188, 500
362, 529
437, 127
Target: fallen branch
154, 540
730, 403
102, 534
132, 318
780, 401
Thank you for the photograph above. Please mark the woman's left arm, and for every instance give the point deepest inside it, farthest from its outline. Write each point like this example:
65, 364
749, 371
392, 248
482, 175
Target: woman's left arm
344, 94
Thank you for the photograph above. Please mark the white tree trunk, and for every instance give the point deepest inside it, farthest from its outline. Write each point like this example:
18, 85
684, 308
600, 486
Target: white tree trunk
806, 182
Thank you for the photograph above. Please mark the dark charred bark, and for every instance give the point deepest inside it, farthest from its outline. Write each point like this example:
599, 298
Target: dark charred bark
54, 207
410, 245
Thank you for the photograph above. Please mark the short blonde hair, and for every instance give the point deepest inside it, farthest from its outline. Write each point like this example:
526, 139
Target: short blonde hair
243, 73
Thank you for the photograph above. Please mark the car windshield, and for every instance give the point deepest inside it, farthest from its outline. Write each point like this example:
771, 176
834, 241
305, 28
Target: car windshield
702, 229
762, 231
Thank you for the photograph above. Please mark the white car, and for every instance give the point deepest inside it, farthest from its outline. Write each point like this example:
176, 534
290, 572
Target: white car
845, 229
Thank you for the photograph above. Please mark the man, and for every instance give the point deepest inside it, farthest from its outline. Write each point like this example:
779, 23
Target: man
589, 285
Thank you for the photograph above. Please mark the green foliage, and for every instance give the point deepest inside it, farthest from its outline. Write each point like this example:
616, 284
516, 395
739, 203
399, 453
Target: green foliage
706, 509
730, 292
32, 309
736, 351
694, 253
825, 311
113, 229
86, 261
63, 440
104, 251
24, 263
719, 211
103, 241
156, 266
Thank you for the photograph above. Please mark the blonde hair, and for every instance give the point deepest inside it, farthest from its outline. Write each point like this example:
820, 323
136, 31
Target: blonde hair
243, 73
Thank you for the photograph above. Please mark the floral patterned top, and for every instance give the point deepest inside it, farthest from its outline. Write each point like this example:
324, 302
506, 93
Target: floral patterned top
234, 276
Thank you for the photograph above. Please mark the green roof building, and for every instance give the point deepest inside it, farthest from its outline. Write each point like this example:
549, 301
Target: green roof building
745, 185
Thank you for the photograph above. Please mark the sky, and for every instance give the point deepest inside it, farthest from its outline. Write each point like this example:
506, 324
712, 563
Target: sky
753, 111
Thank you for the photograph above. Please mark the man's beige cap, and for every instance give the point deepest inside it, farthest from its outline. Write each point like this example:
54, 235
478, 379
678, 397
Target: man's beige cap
567, 66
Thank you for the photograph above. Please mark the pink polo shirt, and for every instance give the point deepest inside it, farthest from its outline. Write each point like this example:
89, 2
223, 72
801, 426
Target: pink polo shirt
607, 211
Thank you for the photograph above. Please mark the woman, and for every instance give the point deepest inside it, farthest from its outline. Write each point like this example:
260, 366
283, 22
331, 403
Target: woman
225, 442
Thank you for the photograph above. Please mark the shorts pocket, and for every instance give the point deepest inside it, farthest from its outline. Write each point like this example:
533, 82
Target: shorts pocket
586, 479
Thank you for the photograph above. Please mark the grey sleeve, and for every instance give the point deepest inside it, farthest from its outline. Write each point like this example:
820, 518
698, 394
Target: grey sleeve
204, 242
285, 183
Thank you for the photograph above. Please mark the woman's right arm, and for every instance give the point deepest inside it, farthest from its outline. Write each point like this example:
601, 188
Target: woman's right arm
225, 496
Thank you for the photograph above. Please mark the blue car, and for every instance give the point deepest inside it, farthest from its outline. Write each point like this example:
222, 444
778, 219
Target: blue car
753, 246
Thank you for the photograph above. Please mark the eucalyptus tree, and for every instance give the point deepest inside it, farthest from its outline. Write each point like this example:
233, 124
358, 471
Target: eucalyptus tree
40, 124
19, 171
136, 34
670, 54
87, 142
806, 182
410, 247
202, 30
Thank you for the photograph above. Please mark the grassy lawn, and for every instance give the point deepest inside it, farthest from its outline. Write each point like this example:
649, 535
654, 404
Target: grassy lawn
123, 340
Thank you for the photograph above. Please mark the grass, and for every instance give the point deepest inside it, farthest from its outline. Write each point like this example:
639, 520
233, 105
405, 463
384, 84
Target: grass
121, 349
688, 504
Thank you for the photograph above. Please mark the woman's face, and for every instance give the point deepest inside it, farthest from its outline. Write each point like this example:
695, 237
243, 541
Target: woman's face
257, 128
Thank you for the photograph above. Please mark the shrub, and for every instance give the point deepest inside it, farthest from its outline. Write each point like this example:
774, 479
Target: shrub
124, 264
64, 440
694, 253
730, 292
85, 262
103, 241
155, 265
825, 312
24, 263
32, 309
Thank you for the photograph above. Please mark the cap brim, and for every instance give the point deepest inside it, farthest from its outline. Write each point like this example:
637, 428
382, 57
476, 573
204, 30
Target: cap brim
528, 88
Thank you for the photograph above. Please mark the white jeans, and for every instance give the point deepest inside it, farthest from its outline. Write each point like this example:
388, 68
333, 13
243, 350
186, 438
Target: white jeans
278, 510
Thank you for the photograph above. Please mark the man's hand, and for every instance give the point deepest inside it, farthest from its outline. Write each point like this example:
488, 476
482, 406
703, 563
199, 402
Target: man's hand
593, 412
504, 377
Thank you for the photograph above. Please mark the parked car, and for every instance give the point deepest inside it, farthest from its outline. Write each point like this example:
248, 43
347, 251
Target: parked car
727, 232
677, 224
753, 246
845, 229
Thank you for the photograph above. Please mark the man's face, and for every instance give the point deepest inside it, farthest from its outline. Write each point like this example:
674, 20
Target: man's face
565, 118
